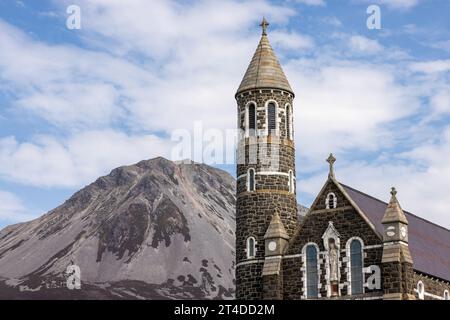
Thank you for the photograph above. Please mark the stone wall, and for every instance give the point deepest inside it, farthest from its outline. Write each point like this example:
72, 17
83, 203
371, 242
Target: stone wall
249, 281
349, 224
260, 97
284, 158
273, 287
397, 280
434, 288
255, 209
265, 182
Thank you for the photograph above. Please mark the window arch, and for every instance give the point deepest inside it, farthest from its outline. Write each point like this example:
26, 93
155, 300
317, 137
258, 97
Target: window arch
331, 201
420, 290
251, 247
291, 182
312, 274
289, 122
271, 118
356, 266
251, 184
251, 119
446, 295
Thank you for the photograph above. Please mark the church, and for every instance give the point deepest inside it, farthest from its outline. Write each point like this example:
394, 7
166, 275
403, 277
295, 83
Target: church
349, 245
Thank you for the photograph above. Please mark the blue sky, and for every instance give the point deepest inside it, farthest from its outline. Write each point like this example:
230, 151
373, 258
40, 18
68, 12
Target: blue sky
74, 104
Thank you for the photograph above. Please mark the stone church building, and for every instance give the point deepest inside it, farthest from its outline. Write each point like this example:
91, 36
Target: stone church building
349, 245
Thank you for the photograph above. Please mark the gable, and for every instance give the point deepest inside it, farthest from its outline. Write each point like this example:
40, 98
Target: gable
429, 243
346, 219
329, 187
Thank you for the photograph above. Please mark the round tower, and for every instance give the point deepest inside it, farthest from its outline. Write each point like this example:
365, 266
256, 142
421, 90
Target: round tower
265, 164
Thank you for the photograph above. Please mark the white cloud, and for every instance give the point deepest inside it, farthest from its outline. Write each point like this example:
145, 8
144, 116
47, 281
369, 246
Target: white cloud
12, 209
400, 3
440, 102
444, 45
291, 41
423, 183
365, 45
78, 160
171, 57
332, 21
430, 67
161, 65
312, 2
394, 4
344, 105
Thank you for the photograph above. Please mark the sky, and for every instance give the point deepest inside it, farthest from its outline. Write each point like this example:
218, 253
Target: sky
77, 103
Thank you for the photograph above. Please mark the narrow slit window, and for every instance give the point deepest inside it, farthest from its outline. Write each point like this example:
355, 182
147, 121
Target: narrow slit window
312, 279
251, 180
356, 267
288, 123
331, 201
251, 247
252, 119
291, 182
271, 120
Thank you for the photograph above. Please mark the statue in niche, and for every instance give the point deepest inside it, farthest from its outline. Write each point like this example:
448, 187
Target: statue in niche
333, 254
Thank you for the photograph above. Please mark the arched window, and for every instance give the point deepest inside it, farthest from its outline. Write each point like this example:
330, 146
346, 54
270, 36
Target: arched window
251, 180
288, 122
271, 118
331, 201
446, 295
312, 277
291, 182
356, 264
420, 290
251, 119
251, 247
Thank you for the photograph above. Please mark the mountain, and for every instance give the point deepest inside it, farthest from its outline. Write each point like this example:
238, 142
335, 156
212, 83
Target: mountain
154, 230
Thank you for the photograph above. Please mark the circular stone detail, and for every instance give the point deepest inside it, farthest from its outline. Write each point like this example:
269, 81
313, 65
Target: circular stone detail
272, 245
403, 232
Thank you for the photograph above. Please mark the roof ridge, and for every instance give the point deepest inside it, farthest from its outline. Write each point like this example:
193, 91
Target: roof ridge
407, 212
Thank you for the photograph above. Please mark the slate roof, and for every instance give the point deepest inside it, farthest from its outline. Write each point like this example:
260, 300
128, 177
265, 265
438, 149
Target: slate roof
264, 70
429, 243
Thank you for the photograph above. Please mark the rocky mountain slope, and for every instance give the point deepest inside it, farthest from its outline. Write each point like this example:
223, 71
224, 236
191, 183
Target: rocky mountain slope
154, 230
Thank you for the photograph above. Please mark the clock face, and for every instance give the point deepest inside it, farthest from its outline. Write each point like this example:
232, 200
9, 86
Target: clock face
272, 245
403, 232
390, 231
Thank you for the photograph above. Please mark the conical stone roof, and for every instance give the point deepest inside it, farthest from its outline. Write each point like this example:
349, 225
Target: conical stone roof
264, 70
276, 228
394, 212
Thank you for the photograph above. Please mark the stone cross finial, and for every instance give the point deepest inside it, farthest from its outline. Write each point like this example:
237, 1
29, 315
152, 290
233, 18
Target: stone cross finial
331, 160
393, 192
264, 24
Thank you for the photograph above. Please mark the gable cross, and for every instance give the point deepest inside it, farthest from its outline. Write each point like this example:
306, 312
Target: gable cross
264, 24
331, 160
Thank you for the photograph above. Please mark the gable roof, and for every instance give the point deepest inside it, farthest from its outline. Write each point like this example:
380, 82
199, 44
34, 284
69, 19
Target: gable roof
340, 187
429, 243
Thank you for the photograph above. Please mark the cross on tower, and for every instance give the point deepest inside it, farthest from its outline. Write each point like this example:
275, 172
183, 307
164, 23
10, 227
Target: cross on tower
264, 24
331, 160
393, 191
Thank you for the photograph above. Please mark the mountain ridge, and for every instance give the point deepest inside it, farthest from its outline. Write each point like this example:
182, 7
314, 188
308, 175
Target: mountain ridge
153, 230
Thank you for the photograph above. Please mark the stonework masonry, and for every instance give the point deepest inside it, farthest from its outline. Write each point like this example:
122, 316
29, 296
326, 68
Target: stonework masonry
434, 288
349, 224
348, 246
255, 209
